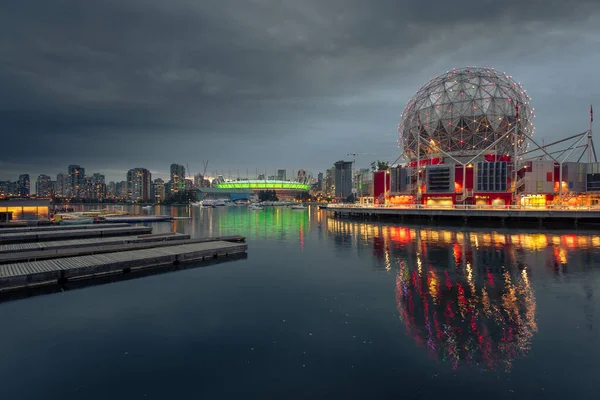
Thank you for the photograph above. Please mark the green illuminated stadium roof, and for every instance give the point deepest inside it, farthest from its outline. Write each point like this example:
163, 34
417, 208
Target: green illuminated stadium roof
255, 184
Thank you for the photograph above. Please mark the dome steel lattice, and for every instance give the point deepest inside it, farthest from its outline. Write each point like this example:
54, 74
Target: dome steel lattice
463, 112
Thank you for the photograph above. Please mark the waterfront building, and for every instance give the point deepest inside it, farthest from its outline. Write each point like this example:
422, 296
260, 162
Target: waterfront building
199, 181
111, 190
43, 186
465, 138
97, 178
121, 190
281, 175
24, 186
76, 181
9, 189
329, 182
302, 177
63, 185
159, 190
139, 182
343, 179
320, 181
24, 209
177, 183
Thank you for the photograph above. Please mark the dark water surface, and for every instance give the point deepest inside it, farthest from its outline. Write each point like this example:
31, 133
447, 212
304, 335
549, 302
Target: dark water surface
324, 308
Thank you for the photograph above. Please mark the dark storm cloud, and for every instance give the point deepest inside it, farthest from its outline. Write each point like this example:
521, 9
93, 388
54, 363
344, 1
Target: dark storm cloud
257, 84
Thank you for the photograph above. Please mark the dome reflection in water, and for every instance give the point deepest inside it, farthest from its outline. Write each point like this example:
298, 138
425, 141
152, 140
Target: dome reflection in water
464, 297
472, 314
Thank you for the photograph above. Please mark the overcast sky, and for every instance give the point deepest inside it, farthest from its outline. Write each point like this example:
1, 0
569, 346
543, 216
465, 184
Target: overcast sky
265, 84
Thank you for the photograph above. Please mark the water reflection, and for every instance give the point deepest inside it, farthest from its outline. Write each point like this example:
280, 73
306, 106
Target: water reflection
467, 296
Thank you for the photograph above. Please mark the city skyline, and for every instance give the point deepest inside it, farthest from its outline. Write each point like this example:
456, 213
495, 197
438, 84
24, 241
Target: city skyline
266, 84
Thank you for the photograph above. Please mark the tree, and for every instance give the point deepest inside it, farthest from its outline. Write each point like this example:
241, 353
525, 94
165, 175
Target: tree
351, 198
380, 165
267, 195
303, 196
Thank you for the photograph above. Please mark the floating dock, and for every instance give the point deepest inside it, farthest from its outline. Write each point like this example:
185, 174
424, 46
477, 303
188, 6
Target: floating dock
48, 228
42, 257
26, 252
571, 217
56, 271
96, 231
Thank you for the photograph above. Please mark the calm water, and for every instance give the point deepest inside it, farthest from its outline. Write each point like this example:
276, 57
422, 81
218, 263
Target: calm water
323, 308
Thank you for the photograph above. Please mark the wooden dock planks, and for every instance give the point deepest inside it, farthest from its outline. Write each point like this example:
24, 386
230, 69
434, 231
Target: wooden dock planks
21, 237
133, 243
47, 228
23, 274
27, 247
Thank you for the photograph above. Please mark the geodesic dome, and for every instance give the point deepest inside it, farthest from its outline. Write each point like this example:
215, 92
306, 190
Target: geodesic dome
463, 112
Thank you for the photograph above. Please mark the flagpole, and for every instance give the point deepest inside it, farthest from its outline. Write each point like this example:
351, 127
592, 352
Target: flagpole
589, 144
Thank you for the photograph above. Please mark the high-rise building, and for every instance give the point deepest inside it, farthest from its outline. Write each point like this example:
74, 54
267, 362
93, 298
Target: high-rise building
281, 175
177, 178
77, 181
43, 186
301, 177
97, 178
24, 185
343, 179
330, 182
9, 189
63, 185
320, 180
159, 190
111, 190
121, 190
200, 182
139, 182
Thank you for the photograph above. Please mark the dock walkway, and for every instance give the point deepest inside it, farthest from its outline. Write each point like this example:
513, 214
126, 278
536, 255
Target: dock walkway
56, 271
48, 228
37, 236
12, 253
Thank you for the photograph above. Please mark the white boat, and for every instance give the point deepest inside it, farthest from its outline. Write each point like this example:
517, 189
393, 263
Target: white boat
255, 207
138, 218
147, 207
298, 207
196, 204
208, 203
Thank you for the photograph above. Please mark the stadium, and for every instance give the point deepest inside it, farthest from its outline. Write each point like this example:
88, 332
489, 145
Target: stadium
247, 189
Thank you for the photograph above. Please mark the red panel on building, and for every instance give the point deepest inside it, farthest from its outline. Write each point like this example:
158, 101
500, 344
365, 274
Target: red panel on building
379, 184
458, 178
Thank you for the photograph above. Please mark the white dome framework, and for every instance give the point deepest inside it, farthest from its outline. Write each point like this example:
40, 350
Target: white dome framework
464, 112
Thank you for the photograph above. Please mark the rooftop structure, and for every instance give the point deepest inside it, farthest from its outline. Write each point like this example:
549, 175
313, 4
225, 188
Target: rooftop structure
264, 185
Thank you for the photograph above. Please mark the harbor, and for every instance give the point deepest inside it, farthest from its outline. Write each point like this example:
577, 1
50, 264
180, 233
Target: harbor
49, 256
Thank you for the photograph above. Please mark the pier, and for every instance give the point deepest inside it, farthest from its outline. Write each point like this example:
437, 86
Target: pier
48, 228
563, 216
38, 236
68, 255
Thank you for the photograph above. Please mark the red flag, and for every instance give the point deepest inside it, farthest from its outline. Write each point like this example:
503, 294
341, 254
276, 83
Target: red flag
591, 114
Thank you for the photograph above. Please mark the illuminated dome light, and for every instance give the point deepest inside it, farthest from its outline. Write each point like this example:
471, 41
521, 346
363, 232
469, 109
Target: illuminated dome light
460, 109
